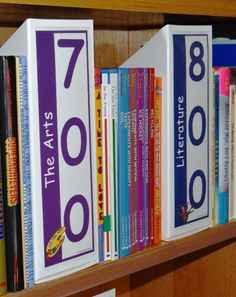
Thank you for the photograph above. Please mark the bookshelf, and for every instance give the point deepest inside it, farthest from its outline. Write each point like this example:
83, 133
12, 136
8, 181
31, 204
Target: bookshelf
199, 265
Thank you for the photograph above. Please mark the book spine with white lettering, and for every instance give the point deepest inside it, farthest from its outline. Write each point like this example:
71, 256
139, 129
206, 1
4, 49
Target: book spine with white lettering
151, 151
124, 172
10, 174
145, 155
139, 168
132, 161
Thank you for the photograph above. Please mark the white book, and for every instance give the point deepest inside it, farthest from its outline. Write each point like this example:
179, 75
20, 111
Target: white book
62, 151
182, 55
107, 193
113, 75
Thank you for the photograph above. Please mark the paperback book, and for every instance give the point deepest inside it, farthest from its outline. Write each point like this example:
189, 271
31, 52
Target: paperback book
10, 174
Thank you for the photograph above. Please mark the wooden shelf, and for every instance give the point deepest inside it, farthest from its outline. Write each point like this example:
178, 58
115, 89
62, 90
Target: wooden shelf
106, 272
14, 14
200, 7
126, 15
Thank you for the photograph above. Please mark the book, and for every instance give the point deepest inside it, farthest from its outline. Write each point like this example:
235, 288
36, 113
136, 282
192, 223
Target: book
151, 151
157, 158
99, 163
232, 151
146, 155
185, 122
215, 205
62, 142
139, 161
107, 194
110, 85
113, 81
10, 174
132, 161
3, 273
223, 196
124, 162
223, 52
24, 169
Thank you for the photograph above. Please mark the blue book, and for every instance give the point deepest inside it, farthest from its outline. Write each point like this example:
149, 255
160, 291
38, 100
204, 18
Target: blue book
216, 145
123, 156
223, 52
24, 162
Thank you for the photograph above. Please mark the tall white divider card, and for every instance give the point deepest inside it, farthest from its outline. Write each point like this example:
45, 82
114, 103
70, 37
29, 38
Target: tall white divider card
61, 120
182, 55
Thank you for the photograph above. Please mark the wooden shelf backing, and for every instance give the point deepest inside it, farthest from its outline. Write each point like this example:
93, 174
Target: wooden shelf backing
199, 7
106, 272
14, 14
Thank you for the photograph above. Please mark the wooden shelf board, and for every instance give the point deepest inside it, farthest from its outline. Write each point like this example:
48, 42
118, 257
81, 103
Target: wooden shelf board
112, 270
14, 14
198, 7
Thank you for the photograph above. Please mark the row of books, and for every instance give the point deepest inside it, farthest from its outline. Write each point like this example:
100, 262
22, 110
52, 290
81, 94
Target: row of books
101, 165
129, 135
224, 144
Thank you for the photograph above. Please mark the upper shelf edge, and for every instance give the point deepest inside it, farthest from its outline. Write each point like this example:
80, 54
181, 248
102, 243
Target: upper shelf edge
200, 7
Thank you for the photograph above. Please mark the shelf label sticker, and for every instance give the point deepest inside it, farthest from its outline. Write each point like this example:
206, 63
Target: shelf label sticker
191, 127
65, 144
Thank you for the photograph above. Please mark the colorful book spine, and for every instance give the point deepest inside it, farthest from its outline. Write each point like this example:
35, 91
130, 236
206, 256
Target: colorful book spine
132, 161
99, 162
151, 156
123, 152
139, 158
215, 147
145, 155
232, 150
10, 174
224, 82
106, 174
3, 274
24, 169
157, 159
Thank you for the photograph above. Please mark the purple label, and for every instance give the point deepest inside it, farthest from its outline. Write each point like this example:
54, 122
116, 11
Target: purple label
54, 221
